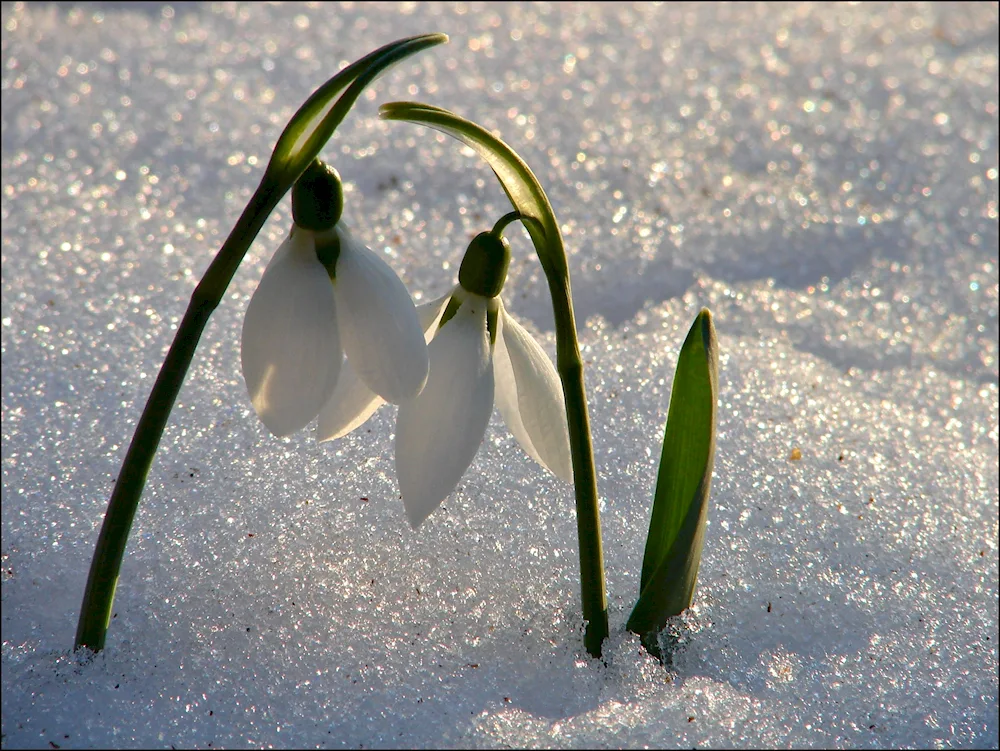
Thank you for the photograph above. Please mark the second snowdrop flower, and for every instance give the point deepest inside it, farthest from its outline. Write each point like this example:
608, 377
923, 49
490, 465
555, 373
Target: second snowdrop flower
478, 353
322, 295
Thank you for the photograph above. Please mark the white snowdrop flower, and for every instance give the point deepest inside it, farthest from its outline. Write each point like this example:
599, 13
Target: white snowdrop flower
323, 295
478, 354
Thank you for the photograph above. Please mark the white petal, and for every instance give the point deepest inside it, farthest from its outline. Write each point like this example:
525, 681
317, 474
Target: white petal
379, 327
290, 347
349, 407
352, 403
530, 397
439, 432
430, 313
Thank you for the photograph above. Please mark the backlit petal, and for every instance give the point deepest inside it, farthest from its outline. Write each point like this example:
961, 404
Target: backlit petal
430, 313
350, 406
439, 432
530, 397
290, 348
352, 402
379, 328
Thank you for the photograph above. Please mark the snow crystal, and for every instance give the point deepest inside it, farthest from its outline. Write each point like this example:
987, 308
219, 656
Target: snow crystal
822, 176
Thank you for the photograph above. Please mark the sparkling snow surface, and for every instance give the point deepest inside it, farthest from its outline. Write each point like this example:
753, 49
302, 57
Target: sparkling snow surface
823, 177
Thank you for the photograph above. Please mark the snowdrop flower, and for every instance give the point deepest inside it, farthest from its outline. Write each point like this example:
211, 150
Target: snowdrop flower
322, 295
478, 353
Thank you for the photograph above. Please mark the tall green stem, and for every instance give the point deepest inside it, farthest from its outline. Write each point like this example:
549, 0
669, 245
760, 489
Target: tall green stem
98, 598
588, 520
299, 144
527, 197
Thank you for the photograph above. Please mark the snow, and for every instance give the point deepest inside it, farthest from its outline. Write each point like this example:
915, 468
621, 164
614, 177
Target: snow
823, 177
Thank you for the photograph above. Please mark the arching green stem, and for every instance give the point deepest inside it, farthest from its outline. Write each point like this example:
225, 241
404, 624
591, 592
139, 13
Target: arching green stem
528, 198
505, 221
300, 143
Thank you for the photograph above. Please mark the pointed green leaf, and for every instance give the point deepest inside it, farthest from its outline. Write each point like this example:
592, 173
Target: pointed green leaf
680, 504
316, 120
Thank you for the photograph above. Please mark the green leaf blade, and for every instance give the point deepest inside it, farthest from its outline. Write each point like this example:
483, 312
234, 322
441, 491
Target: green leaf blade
518, 181
317, 119
680, 503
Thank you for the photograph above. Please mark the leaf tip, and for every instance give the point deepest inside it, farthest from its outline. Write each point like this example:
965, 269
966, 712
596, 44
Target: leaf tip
704, 324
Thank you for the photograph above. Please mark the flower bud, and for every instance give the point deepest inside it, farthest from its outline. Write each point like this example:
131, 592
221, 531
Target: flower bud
318, 198
484, 267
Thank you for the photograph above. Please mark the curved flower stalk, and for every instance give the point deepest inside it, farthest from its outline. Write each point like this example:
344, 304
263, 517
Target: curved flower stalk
299, 144
324, 294
479, 355
528, 198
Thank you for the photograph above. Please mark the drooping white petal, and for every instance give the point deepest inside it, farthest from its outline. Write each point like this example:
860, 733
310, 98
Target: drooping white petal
352, 402
349, 407
290, 348
379, 328
439, 432
530, 397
